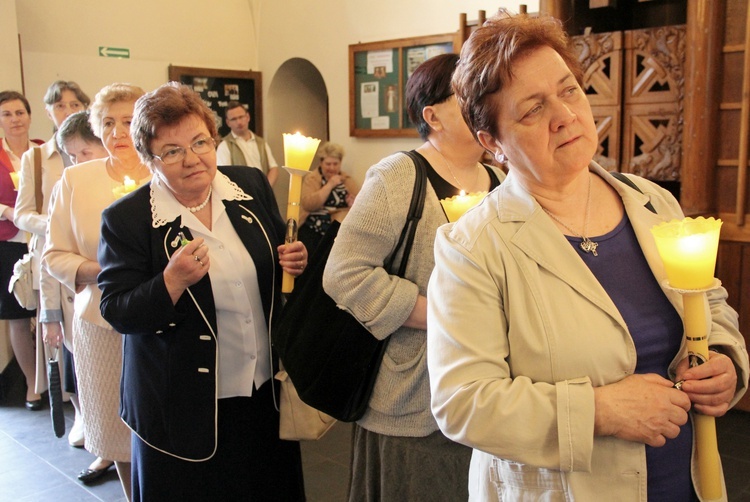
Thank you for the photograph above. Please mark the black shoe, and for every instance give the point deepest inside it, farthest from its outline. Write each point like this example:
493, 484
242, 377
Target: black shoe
87, 476
34, 405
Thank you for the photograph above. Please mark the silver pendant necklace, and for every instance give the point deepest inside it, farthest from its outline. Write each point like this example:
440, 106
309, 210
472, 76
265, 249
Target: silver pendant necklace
587, 245
450, 170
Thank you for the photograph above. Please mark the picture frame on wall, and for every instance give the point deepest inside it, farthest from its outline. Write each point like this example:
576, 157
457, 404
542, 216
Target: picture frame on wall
378, 73
218, 87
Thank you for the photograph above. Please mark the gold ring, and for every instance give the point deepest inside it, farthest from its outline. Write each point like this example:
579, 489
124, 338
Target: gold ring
195, 256
200, 262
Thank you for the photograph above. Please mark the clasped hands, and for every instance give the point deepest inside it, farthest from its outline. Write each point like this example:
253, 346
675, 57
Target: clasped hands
649, 409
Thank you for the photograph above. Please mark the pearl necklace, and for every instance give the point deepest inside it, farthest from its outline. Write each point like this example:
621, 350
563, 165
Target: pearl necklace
587, 245
450, 170
203, 204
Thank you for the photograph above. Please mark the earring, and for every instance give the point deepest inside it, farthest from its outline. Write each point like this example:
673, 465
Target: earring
501, 158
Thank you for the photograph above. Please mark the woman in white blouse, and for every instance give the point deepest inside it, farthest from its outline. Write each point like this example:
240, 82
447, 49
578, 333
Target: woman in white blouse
191, 276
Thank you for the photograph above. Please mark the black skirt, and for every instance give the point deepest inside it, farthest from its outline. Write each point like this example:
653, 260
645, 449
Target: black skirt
251, 462
10, 253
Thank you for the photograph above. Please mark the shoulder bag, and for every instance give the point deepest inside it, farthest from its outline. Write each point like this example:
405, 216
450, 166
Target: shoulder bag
330, 356
22, 281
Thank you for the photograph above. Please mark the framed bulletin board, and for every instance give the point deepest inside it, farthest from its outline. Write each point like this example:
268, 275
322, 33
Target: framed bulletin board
218, 87
378, 73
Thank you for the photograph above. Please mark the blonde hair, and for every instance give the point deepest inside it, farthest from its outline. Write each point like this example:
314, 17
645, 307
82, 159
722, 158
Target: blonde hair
329, 149
113, 93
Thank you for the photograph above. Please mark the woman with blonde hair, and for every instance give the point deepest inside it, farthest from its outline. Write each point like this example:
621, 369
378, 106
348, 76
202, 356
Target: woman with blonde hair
327, 194
71, 257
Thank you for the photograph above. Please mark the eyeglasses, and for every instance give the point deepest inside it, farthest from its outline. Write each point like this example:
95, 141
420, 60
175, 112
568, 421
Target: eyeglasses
200, 146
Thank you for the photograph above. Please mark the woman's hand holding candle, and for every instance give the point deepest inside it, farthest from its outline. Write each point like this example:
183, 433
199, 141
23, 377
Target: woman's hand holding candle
711, 385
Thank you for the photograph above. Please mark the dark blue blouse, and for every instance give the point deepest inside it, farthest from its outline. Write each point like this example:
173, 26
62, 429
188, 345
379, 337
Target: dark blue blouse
657, 333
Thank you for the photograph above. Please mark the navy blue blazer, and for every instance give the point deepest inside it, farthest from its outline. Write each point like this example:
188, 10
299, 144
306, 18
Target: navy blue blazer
168, 387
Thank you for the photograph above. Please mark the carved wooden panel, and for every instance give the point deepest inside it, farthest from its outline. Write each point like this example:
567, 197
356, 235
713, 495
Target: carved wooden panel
652, 141
608, 128
600, 55
653, 102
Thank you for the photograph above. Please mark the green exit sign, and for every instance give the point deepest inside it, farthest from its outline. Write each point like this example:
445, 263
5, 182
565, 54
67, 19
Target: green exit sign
114, 52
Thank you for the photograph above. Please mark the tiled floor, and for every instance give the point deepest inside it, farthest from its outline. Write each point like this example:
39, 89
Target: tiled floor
36, 466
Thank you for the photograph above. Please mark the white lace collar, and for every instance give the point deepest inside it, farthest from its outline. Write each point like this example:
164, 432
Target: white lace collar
165, 208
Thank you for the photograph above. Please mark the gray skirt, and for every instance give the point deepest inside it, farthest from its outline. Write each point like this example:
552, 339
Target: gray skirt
418, 469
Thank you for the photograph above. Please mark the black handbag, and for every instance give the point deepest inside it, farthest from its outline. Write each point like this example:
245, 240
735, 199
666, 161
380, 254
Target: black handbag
55, 396
330, 356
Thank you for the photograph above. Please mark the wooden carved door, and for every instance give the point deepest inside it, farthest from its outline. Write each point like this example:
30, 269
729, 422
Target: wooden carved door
635, 84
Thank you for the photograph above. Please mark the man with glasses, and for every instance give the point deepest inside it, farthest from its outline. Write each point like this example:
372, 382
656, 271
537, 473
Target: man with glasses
242, 147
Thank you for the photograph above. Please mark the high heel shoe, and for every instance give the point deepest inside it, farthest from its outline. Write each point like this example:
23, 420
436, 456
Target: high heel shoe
34, 405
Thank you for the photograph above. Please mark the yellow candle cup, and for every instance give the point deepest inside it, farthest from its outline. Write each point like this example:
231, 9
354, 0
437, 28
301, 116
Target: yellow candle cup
456, 206
14, 178
688, 249
128, 185
299, 150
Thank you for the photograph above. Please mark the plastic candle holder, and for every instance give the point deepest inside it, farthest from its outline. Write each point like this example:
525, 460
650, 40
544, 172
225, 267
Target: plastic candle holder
688, 249
456, 206
299, 152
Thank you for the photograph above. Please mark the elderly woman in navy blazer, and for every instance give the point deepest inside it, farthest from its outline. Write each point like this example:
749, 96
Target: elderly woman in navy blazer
191, 273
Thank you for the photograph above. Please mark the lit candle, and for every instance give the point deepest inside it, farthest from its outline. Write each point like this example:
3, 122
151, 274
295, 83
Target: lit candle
14, 178
128, 185
456, 206
688, 249
299, 152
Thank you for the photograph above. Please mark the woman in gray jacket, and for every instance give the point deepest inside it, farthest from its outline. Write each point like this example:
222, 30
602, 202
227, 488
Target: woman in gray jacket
399, 453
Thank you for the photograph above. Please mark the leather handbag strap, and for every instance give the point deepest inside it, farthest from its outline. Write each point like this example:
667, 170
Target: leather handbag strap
631, 184
38, 179
416, 207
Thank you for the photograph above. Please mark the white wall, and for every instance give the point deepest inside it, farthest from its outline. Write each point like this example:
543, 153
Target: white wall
61, 40
10, 64
321, 32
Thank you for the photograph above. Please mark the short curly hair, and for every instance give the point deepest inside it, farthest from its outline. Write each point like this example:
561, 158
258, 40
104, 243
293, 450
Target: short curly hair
487, 58
166, 106
329, 149
113, 93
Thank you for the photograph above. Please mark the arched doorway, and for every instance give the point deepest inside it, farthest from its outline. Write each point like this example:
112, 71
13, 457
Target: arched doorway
297, 100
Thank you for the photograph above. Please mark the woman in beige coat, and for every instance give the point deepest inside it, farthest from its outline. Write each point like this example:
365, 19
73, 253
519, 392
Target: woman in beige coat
553, 346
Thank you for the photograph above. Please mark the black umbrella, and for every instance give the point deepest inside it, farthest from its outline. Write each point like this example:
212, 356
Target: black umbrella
55, 395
